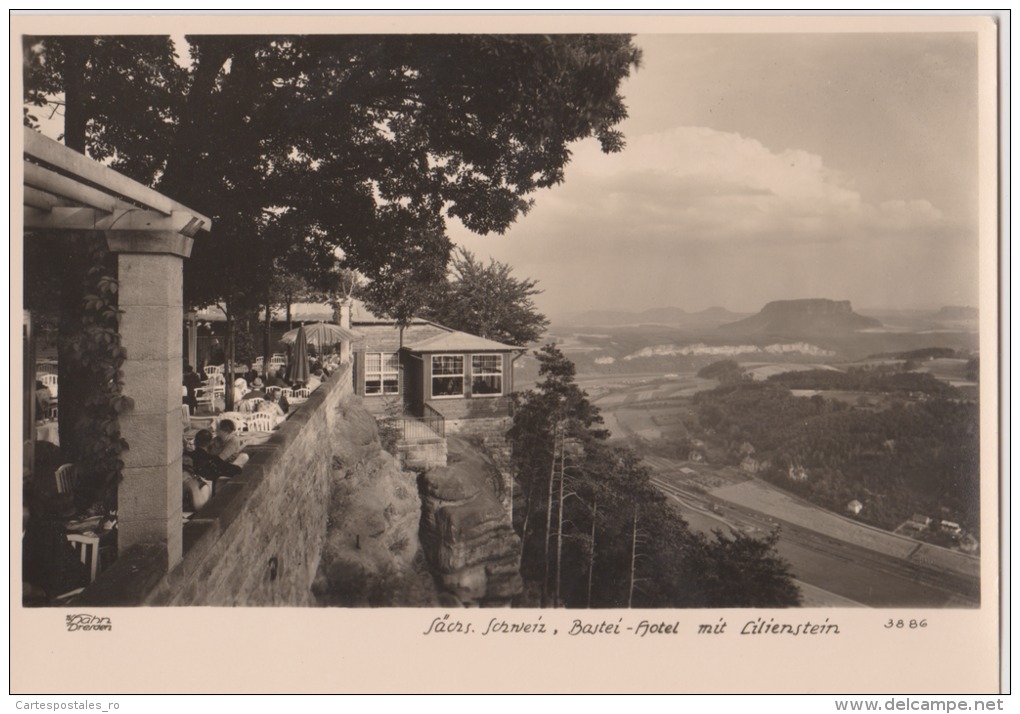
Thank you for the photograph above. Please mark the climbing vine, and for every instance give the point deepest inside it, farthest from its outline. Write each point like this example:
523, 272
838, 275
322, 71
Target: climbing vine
100, 360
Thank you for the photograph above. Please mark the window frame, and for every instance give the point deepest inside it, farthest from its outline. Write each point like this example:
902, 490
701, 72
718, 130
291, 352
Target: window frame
433, 376
475, 374
382, 374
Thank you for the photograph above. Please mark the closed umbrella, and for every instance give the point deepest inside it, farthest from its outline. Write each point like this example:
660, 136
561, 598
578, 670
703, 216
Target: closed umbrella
298, 370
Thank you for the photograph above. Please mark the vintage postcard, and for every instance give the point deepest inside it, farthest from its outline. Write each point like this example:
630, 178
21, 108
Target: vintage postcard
505, 354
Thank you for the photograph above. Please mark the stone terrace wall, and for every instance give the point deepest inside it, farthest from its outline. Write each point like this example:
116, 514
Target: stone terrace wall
259, 540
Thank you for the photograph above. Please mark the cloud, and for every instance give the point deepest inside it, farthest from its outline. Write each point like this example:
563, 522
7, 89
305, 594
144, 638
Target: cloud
699, 184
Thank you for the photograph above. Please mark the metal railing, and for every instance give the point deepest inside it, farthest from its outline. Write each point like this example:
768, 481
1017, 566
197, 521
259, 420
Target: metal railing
428, 426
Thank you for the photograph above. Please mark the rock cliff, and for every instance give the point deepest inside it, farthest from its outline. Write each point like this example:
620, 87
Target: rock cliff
371, 556
803, 317
466, 532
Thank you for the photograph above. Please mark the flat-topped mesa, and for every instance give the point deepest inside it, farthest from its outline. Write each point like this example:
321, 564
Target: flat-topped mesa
811, 315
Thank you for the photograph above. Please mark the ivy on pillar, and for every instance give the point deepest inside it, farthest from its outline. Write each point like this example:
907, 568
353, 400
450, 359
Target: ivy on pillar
150, 276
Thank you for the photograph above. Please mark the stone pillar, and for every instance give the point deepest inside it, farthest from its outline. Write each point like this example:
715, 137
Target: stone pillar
151, 274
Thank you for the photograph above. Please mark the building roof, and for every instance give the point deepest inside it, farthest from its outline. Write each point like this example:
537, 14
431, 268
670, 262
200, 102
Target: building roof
455, 341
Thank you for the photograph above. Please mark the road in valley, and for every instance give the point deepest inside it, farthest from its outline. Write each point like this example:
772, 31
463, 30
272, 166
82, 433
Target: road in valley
835, 570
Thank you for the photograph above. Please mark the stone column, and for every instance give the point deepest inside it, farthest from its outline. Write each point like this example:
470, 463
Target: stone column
151, 273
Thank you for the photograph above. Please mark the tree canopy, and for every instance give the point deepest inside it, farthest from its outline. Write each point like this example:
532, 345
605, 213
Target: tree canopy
344, 145
596, 532
487, 300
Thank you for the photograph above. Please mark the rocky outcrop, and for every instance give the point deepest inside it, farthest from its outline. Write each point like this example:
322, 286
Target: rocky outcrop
371, 556
466, 532
803, 317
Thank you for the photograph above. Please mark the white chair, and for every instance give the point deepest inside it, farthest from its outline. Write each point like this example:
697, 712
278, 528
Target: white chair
212, 369
66, 476
50, 382
260, 421
240, 420
302, 393
287, 392
274, 390
87, 547
51, 411
204, 397
214, 380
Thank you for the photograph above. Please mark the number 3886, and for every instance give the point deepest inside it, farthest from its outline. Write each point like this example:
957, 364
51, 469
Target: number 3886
905, 624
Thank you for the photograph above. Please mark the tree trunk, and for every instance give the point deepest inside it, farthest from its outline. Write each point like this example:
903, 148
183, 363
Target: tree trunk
591, 552
72, 264
266, 341
527, 517
290, 322
548, 520
228, 367
633, 560
559, 530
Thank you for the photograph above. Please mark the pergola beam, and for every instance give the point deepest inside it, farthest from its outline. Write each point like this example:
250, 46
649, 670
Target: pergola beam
91, 219
76, 193
43, 200
40, 148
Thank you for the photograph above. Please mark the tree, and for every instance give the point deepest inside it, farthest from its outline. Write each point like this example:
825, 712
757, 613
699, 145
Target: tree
487, 300
356, 143
610, 539
333, 148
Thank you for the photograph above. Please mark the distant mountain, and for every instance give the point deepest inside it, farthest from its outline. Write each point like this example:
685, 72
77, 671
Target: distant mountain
712, 317
803, 317
957, 312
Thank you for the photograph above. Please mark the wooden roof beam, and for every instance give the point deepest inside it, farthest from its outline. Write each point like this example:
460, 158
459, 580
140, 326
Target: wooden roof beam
78, 165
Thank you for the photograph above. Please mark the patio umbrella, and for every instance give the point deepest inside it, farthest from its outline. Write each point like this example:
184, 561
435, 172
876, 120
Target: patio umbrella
319, 334
298, 369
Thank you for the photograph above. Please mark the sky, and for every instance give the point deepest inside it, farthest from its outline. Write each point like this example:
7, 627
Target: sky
765, 167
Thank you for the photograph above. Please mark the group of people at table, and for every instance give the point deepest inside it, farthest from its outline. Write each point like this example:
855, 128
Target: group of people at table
211, 459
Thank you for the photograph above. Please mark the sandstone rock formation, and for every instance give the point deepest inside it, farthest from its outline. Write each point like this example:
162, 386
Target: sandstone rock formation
466, 531
803, 317
371, 555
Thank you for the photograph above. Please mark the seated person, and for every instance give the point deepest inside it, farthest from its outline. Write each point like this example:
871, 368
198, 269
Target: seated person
209, 467
240, 389
280, 380
257, 390
283, 402
192, 381
315, 380
225, 444
42, 400
271, 406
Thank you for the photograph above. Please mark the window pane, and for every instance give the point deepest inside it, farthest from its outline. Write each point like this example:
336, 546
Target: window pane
447, 386
372, 386
390, 385
447, 364
372, 360
487, 385
487, 364
390, 362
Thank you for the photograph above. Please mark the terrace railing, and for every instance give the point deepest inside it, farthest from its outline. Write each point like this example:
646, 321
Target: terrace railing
430, 425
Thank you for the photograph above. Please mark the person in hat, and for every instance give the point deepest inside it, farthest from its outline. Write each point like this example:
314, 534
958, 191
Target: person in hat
257, 390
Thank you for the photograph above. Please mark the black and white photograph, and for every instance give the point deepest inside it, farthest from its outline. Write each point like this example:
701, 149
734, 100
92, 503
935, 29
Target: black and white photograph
434, 322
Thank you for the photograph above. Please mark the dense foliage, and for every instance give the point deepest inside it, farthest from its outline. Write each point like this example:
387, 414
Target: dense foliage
487, 300
595, 530
886, 381
919, 455
317, 152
